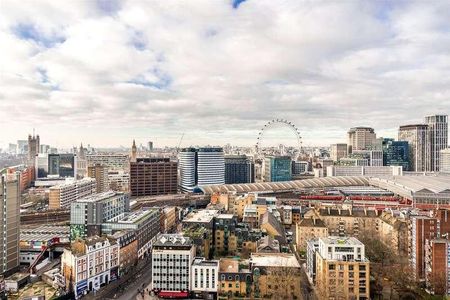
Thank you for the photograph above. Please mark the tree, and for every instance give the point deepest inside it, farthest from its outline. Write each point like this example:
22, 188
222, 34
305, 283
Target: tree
386, 264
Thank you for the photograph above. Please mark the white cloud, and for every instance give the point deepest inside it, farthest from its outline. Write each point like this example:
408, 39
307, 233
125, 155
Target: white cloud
157, 69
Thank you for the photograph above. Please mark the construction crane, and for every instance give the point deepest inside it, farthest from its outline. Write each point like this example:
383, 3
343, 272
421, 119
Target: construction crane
179, 143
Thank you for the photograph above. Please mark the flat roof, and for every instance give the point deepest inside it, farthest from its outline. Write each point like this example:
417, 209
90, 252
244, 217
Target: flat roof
337, 240
274, 260
229, 265
201, 216
99, 197
136, 216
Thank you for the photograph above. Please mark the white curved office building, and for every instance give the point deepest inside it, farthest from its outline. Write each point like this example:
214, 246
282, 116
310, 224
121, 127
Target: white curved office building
201, 166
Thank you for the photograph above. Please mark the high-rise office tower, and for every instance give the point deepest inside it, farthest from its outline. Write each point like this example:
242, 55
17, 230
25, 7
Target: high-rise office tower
100, 173
201, 166
239, 169
10, 216
361, 138
150, 146
338, 151
396, 153
438, 128
418, 137
153, 176
277, 168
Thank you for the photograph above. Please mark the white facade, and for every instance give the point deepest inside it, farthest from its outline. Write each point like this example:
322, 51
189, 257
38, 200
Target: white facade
92, 266
341, 248
205, 275
118, 162
211, 167
438, 128
120, 180
364, 171
445, 161
186, 161
202, 166
72, 191
172, 257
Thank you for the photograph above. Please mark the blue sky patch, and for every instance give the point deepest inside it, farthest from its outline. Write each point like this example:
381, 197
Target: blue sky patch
236, 3
29, 32
162, 83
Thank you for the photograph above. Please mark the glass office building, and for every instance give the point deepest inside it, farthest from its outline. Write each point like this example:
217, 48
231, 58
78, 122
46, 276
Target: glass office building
396, 153
277, 168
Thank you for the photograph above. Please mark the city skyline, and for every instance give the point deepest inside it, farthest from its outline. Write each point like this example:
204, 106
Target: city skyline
106, 72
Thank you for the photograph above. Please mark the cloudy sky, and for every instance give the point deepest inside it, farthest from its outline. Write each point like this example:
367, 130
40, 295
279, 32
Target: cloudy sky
105, 72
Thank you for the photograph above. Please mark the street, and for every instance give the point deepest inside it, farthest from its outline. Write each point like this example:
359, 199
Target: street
127, 286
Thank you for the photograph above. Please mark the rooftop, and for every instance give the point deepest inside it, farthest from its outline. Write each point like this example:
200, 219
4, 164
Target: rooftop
136, 216
173, 240
225, 216
100, 196
336, 240
274, 260
201, 216
201, 261
229, 265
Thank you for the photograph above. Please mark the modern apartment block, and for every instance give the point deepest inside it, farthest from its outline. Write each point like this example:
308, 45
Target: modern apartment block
239, 169
419, 141
114, 162
342, 270
62, 195
277, 168
153, 176
144, 223
90, 263
201, 166
172, 257
88, 214
438, 129
205, 277
338, 151
361, 138
10, 225
100, 173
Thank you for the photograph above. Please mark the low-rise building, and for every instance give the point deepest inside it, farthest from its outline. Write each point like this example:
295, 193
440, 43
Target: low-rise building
235, 279
273, 227
275, 274
128, 246
310, 228
90, 264
205, 278
169, 219
268, 244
